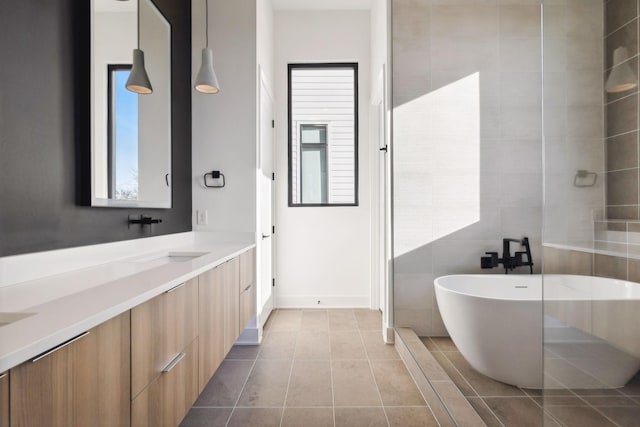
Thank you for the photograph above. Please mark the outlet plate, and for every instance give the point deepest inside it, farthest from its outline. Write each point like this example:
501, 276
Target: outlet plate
202, 216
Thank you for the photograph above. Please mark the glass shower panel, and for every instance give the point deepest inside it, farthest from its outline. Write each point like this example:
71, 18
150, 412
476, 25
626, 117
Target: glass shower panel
591, 231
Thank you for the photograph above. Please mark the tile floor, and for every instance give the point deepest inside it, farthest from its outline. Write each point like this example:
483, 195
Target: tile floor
314, 368
499, 404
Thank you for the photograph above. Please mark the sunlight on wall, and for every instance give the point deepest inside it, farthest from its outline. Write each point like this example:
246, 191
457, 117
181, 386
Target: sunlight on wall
437, 164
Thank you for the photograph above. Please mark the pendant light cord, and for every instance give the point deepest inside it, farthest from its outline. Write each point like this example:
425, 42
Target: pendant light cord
206, 4
138, 13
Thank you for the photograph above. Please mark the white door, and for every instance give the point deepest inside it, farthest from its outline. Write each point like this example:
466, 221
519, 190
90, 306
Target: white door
382, 210
266, 238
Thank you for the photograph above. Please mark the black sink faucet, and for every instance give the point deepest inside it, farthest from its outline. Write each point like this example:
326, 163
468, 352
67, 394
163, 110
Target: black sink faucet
144, 220
509, 262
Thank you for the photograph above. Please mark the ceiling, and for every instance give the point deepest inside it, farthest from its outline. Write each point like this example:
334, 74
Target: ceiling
321, 4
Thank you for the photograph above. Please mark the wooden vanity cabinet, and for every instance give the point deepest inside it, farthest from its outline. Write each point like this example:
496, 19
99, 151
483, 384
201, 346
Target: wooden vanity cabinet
4, 399
84, 381
247, 287
161, 329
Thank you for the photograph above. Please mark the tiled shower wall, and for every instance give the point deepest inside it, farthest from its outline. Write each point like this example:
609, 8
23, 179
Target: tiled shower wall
467, 142
574, 118
622, 165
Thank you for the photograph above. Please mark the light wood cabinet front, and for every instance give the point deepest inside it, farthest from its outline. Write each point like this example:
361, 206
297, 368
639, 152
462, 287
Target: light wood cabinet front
84, 381
160, 329
166, 401
211, 329
247, 287
4, 399
231, 272
247, 305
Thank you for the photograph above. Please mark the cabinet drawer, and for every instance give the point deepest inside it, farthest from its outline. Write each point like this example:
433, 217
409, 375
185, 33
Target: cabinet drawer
166, 401
4, 399
160, 329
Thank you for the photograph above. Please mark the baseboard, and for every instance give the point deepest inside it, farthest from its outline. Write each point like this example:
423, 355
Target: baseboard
325, 301
250, 336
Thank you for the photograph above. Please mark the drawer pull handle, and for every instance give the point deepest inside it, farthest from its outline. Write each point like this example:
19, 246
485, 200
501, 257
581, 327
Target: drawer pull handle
174, 362
247, 288
175, 288
3, 375
63, 345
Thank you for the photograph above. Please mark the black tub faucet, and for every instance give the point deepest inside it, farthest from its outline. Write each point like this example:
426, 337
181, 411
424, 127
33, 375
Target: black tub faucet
509, 262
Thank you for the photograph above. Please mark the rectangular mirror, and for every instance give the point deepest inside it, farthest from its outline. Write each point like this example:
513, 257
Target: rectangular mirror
131, 133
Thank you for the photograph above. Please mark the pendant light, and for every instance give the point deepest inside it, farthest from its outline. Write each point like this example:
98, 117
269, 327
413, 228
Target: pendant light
621, 78
138, 81
207, 81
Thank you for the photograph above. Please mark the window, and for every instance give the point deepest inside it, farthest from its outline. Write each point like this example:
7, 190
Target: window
122, 135
323, 134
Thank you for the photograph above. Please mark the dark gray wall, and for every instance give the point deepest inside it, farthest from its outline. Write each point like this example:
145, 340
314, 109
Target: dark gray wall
45, 129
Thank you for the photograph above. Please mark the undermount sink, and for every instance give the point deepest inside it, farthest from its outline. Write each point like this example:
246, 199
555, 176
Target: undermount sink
8, 318
165, 258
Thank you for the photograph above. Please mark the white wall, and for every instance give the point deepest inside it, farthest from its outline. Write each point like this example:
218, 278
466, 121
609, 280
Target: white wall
322, 253
224, 125
467, 149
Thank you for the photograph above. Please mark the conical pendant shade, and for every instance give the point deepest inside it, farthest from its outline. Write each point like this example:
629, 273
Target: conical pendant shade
138, 80
621, 78
206, 81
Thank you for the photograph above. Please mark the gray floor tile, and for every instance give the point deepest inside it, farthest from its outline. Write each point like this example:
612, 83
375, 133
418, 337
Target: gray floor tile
207, 417
431, 346
376, 348
453, 373
482, 384
267, 384
623, 416
278, 345
308, 417
353, 384
610, 401
347, 345
225, 386
286, 320
579, 416
313, 345
314, 320
255, 417
444, 343
243, 352
368, 320
516, 411
410, 416
361, 417
395, 384
310, 384
342, 320
485, 413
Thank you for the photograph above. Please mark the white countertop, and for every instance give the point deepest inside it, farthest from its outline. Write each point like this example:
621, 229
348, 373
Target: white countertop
70, 303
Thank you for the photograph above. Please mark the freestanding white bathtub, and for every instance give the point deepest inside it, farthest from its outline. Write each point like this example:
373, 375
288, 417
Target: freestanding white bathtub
496, 321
